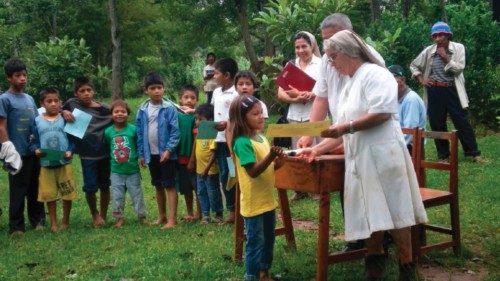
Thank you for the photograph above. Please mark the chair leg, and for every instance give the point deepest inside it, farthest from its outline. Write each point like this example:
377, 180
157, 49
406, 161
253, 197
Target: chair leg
455, 226
415, 243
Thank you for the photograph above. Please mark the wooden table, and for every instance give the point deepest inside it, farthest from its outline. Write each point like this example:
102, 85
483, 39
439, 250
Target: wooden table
322, 176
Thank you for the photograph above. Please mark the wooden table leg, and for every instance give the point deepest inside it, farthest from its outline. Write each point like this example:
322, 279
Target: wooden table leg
323, 236
238, 228
286, 217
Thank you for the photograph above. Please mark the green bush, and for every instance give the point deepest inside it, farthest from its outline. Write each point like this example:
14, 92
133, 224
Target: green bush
58, 62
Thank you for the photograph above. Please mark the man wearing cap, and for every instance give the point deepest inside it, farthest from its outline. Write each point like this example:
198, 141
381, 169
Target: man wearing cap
411, 106
439, 68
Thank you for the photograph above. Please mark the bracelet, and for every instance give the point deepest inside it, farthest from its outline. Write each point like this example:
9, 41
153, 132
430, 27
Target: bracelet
351, 127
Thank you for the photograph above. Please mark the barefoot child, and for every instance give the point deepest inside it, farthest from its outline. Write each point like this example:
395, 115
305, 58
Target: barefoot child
186, 177
225, 70
207, 178
157, 140
94, 153
125, 174
255, 168
56, 176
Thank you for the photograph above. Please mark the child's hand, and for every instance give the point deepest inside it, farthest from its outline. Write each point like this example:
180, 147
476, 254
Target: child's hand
142, 164
191, 166
68, 116
39, 153
187, 109
221, 126
165, 156
277, 151
68, 155
205, 174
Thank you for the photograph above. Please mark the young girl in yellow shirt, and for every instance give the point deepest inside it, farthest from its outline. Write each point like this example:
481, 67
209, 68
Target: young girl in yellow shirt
255, 168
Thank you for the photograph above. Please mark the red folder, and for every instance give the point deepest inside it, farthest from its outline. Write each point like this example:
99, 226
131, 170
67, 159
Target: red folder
295, 77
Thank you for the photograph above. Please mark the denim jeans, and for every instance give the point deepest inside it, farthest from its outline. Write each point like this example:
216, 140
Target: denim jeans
209, 195
222, 152
119, 185
259, 244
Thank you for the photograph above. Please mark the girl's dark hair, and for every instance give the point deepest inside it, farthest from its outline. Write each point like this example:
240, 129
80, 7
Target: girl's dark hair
45, 92
240, 106
153, 78
80, 82
246, 74
227, 65
210, 55
12, 66
302, 35
120, 103
206, 110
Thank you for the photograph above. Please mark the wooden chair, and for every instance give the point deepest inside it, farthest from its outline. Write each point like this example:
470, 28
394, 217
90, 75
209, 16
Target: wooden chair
433, 196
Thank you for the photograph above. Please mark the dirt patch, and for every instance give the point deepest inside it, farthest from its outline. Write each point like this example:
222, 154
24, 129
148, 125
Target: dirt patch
435, 273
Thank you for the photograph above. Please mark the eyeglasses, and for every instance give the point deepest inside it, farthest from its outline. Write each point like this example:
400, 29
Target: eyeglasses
332, 57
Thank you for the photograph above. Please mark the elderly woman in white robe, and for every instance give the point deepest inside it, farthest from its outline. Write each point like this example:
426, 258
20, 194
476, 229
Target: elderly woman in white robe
381, 189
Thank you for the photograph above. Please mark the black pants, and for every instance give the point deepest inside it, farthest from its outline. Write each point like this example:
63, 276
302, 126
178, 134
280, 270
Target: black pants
21, 186
444, 100
209, 96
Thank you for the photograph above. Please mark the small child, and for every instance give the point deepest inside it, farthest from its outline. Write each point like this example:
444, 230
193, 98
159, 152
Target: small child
157, 139
17, 114
93, 151
125, 174
56, 176
186, 176
255, 168
225, 70
207, 171
246, 83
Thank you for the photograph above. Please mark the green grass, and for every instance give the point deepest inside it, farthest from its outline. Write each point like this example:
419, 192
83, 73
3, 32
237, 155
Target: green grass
204, 252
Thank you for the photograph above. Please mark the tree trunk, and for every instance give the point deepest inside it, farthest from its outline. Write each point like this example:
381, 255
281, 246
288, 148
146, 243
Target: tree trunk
116, 55
495, 8
375, 10
442, 4
406, 7
241, 7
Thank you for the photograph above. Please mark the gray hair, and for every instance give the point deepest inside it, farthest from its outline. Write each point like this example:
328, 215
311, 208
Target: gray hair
337, 20
350, 44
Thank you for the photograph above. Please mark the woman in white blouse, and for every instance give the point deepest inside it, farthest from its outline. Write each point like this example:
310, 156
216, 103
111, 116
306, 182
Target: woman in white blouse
380, 189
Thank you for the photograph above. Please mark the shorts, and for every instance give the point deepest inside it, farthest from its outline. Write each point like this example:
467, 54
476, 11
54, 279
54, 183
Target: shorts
186, 181
56, 183
96, 174
162, 175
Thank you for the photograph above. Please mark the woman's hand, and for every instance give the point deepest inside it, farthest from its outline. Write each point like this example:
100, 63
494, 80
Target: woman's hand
293, 92
335, 131
308, 153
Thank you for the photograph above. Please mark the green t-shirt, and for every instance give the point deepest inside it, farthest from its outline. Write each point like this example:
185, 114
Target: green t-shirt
123, 146
186, 125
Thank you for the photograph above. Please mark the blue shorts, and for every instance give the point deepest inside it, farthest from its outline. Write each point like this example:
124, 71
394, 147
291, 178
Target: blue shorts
162, 174
96, 174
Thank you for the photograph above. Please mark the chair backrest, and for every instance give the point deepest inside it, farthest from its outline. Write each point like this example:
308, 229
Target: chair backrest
451, 166
414, 132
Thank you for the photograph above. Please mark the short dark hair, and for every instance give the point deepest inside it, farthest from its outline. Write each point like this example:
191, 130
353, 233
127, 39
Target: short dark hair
45, 92
122, 103
206, 110
80, 82
191, 88
227, 65
153, 78
13, 65
246, 74
209, 55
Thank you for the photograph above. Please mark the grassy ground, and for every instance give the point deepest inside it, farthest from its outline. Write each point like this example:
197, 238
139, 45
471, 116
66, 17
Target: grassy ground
204, 252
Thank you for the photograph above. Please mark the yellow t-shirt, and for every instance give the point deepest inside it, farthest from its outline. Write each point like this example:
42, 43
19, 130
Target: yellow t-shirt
204, 150
256, 193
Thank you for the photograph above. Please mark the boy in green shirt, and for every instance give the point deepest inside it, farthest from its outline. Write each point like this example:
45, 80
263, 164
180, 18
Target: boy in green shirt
125, 175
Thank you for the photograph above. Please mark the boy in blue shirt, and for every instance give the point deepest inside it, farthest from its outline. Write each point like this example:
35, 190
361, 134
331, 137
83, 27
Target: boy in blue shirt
157, 139
56, 175
17, 113
93, 151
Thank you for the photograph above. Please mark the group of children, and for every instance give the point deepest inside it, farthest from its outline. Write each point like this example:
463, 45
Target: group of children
163, 138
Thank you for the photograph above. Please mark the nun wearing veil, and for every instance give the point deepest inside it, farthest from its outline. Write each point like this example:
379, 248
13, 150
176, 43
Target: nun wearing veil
381, 191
